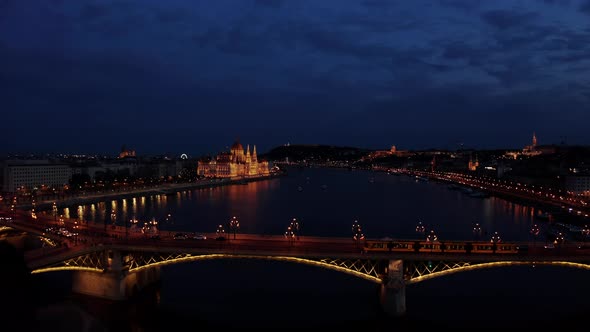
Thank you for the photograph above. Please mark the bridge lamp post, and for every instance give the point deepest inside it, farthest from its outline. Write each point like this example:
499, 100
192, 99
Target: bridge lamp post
295, 228
559, 239
220, 231
290, 234
431, 238
234, 225
33, 213
13, 207
477, 230
495, 240
357, 233
76, 232
54, 211
535, 230
420, 228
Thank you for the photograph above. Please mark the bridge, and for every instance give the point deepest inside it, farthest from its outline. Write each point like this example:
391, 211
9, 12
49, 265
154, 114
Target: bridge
116, 265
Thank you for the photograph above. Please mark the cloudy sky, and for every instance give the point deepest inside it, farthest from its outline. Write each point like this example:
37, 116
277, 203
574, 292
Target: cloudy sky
192, 75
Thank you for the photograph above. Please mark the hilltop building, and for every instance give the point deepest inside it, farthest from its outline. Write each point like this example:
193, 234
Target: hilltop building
531, 150
126, 153
233, 164
473, 165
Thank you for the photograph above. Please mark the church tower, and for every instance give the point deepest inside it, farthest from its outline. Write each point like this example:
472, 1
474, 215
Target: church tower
534, 139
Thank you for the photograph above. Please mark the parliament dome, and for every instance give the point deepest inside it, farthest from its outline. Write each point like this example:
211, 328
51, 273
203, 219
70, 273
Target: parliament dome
237, 146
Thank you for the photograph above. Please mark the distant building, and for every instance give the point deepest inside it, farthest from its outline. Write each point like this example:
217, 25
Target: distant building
233, 164
30, 174
473, 165
531, 150
126, 153
393, 151
578, 184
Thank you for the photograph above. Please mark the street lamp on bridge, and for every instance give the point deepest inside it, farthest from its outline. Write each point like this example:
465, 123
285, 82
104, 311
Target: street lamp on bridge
357, 232
220, 232
33, 213
234, 225
495, 240
13, 206
420, 228
559, 239
477, 230
431, 237
54, 211
535, 230
289, 234
295, 227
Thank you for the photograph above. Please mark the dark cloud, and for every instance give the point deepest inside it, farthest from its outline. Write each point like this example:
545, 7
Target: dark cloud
91, 12
506, 19
466, 5
472, 55
336, 43
421, 71
379, 24
237, 39
171, 15
570, 57
377, 3
270, 3
556, 2
585, 7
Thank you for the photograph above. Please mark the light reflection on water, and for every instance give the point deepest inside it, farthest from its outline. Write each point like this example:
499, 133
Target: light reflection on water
267, 294
328, 203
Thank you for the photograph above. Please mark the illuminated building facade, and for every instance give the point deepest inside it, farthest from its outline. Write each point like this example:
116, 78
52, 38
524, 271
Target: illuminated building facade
531, 150
473, 165
30, 174
126, 153
233, 164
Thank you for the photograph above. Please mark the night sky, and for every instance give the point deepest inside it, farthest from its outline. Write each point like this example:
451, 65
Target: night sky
189, 76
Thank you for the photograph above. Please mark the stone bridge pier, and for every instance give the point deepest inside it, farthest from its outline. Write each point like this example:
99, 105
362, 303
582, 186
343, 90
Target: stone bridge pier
393, 289
115, 282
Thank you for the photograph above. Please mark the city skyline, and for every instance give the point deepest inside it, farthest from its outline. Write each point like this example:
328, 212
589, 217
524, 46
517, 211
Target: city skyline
189, 77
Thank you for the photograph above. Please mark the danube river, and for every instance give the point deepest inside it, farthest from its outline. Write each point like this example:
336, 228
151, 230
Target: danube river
231, 294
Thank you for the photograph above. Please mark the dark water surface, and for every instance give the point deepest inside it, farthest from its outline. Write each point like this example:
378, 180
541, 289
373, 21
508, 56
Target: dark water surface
238, 294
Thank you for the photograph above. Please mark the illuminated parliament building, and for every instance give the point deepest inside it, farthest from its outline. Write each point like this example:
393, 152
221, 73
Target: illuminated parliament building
233, 164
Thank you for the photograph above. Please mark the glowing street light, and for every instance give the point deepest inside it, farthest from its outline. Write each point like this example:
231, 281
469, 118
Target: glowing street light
420, 228
54, 211
295, 227
586, 232
559, 239
234, 225
496, 238
535, 230
220, 232
33, 213
289, 234
477, 230
431, 237
357, 232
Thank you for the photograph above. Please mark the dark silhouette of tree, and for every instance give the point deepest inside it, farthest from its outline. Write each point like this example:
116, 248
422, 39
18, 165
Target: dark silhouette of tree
17, 294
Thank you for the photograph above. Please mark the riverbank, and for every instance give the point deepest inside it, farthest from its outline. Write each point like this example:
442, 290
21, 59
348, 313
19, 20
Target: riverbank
166, 189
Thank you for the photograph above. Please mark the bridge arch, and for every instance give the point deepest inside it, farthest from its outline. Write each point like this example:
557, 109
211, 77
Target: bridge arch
356, 268
415, 275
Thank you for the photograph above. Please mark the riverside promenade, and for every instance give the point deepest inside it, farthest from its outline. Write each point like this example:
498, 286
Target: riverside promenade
169, 188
